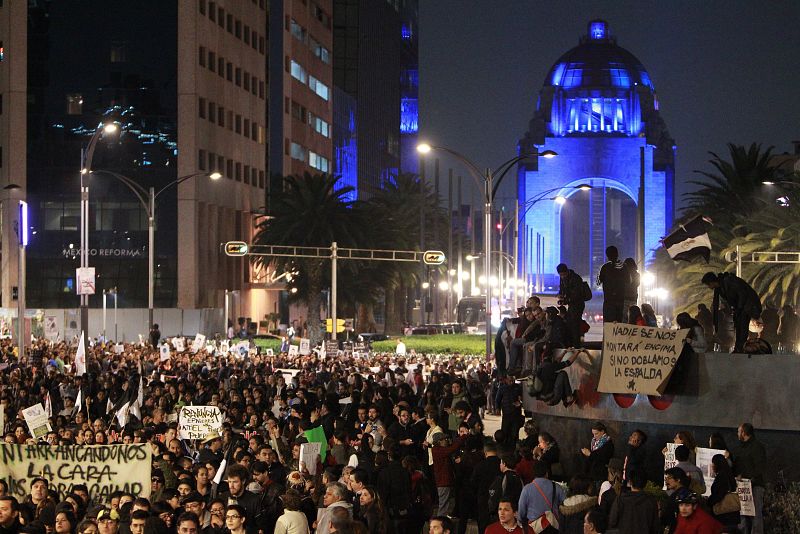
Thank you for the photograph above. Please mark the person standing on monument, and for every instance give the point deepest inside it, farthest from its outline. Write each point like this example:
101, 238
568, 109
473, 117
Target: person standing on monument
614, 279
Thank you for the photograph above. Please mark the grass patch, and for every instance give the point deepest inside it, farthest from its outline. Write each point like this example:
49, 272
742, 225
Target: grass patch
438, 344
274, 344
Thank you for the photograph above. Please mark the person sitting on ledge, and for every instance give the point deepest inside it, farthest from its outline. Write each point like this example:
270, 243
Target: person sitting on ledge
555, 382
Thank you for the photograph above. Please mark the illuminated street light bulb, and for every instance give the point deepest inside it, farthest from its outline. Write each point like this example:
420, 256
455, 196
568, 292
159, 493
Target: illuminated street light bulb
482, 280
423, 148
215, 175
452, 272
662, 293
767, 182
444, 286
560, 200
496, 292
293, 290
520, 292
648, 278
549, 154
110, 127
465, 275
470, 257
425, 285
584, 187
493, 281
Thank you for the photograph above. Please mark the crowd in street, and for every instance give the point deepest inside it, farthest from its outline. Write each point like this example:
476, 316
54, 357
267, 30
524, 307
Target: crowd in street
406, 450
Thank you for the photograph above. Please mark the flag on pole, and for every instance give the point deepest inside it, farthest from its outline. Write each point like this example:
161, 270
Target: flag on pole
48, 406
78, 402
690, 240
80, 358
122, 415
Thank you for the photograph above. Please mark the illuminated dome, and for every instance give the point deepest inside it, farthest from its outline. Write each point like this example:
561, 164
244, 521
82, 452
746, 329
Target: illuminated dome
597, 62
597, 88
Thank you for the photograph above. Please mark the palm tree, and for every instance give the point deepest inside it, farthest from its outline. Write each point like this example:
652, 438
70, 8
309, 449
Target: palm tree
731, 197
311, 210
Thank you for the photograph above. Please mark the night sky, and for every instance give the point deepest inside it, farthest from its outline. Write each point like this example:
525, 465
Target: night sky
723, 71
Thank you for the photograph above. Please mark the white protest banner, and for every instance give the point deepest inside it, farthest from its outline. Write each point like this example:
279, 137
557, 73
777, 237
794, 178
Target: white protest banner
744, 488
119, 348
198, 343
36, 419
703, 461
294, 350
80, 358
242, 349
669, 459
308, 456
305, 346
224, 347
196, 422
164, 351
638, 359
103, 468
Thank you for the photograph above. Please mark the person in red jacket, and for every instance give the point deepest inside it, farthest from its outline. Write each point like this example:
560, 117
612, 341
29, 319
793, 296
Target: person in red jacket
443, 473
508, 524
694, 520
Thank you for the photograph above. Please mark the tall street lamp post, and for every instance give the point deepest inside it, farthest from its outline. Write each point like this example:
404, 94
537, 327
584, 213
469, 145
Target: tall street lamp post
87, 156
147, 197
22, 234
487, 181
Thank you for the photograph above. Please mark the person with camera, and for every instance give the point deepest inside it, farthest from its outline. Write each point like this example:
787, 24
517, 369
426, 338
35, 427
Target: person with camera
572, 294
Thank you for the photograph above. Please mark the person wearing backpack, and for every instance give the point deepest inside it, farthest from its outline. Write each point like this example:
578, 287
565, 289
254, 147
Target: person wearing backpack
540, 497
573, 292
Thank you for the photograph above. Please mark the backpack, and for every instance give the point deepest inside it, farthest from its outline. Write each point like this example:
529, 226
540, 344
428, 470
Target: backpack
586, 291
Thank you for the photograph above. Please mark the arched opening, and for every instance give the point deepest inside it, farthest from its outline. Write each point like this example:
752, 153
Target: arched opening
593, 220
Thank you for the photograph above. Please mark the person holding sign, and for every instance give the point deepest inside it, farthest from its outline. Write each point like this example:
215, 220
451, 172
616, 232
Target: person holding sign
750, 462
695, 520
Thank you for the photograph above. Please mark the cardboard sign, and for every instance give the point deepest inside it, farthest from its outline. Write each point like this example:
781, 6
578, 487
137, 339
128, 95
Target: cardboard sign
198, 343
119, 348
164, 351
744, 488
360, 347
36, 419
179, 343
305, 346
224, 347
196, 422
294, 350
331, 348
669, 459
638, 359
308, 456
703, 461
103, 468
242, 348
50, 327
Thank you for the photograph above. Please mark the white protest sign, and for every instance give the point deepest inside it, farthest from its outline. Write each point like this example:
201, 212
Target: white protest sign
242, 348
669, 459
224, 347
196, 422
270, 352
198, 343
305, 346
164, 351
119, 348
744, 488
36, 419
179, 343
103, 468
50, 327
308, 456
703, 461
294, 350
638, 359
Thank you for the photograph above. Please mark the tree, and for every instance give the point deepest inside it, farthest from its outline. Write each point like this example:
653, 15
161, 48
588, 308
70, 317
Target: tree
312, 211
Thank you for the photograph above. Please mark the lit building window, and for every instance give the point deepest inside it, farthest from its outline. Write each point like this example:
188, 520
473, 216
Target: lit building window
318, 162
298, 152
298, 72
318, 87
409, 115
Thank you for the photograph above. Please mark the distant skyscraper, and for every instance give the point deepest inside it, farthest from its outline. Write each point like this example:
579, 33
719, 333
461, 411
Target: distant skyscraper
301, 80
376, 83
187, 83
599, 111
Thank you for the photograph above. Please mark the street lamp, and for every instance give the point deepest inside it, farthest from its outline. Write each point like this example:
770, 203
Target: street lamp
87, 155
489, 183
22, 241
148, 197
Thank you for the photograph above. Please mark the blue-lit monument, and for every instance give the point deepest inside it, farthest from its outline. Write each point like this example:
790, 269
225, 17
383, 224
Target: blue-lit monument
598, 111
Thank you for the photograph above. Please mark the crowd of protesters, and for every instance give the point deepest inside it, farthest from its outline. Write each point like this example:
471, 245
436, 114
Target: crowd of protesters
407, 450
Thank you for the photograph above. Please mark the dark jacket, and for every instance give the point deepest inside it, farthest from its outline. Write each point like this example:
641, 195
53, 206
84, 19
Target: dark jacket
547, 373
722, 486
250, 502
750, 461
738, 294
394, 487
635, 513
570, 289
508, 484
597, 461
636, 460
481, 480
614, 277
